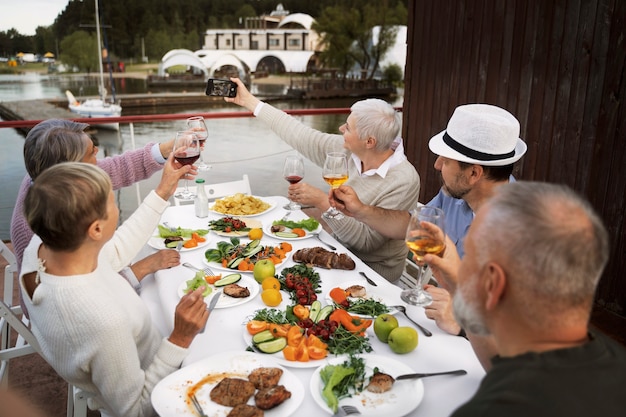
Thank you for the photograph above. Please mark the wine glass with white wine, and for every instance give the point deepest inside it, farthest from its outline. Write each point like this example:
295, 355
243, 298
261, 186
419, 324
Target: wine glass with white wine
425, 234
335, 173
197, 125
186, 152
293, 172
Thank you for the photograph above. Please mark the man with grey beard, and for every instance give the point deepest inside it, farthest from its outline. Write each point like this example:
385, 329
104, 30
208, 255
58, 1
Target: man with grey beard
524, 293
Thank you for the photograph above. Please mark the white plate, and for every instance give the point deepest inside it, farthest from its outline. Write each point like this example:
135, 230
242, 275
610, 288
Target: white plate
169, 397
158, 242
278, 356
225, 301
218, 265
251, 223
271, 207
387, 298
267, 229
403, 397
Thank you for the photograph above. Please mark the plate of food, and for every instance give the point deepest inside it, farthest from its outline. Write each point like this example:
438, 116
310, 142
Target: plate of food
362, 300
282, 232
232, 226
241, 205
245, 289
386, 398
234, 255
166, 238
260, 382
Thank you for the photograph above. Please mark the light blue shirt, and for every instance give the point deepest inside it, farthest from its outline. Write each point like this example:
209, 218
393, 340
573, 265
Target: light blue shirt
458, 217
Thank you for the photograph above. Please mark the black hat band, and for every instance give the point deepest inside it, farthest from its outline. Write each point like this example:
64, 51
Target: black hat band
471, 153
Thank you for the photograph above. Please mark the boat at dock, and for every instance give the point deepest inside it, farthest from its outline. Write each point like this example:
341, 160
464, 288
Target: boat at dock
96, 107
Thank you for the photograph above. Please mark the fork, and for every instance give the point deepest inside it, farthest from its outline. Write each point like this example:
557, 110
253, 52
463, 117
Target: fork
317, 236
206, 270
347, 410
197, 405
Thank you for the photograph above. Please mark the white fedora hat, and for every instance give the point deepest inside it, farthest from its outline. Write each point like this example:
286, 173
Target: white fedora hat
480, 134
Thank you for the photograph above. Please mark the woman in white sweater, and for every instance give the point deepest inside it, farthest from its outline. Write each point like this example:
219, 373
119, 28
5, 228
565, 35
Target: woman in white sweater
379, 172
92, 326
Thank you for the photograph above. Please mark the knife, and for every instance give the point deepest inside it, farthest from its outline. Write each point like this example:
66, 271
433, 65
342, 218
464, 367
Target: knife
214, 300
416, 376
212, 305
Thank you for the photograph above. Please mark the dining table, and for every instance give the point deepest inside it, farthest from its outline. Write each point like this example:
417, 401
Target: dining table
226, 334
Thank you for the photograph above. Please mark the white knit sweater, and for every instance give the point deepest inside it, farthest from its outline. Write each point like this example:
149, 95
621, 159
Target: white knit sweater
94, 329
398, 190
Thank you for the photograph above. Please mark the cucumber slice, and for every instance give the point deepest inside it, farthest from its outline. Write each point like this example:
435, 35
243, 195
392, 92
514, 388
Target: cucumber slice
252, 251
253, 244
272, 346
228, 279
234, 262
316, 306
173, 244
324, 313
264, 336
286, 235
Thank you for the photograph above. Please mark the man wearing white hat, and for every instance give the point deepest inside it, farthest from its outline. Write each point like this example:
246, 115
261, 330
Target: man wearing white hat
476, 154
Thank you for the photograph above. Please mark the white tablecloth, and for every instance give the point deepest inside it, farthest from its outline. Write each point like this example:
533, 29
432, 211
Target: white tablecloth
226, 326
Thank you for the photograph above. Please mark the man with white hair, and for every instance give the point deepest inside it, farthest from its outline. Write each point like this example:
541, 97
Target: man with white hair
534, 255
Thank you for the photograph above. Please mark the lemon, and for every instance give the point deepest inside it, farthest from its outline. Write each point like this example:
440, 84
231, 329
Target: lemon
271, 283
255, 234
271, 297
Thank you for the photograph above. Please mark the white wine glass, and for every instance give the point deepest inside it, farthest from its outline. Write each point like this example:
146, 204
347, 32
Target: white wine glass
335, 173
425, 234
293, 172
186, 152
197, 125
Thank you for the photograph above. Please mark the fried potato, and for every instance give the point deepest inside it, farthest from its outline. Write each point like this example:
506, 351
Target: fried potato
240, 204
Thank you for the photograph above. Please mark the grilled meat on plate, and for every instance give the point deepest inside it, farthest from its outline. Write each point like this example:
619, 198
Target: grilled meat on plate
356, 291
245, 410
265, 377
236, 291
232, 391
324, 259
380, 383
271, 397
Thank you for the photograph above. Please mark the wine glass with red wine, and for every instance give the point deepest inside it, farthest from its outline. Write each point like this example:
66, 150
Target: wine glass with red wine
293, 171
425, 234
197, 125
186, 151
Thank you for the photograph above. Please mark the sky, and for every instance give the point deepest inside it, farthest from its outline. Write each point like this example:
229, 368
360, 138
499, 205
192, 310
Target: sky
26, 15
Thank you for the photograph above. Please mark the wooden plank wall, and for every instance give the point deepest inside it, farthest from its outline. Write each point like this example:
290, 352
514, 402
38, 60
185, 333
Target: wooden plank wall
559, 67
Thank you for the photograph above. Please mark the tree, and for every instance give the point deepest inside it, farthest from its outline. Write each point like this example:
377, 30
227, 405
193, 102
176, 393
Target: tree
346, 33
80, 49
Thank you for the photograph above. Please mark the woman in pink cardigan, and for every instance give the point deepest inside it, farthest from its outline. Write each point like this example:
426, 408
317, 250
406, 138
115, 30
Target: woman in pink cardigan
57, 140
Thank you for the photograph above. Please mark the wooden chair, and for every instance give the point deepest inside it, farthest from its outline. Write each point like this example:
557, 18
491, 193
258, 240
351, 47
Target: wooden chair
223, 189
26, 342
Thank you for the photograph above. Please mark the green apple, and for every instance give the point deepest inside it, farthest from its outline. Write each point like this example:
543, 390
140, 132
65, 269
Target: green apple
402, 339
262, 269
383, 325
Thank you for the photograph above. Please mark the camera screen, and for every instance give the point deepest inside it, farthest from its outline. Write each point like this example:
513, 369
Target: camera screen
221, 88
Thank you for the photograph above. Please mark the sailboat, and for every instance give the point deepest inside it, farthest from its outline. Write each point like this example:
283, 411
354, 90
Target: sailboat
99, 107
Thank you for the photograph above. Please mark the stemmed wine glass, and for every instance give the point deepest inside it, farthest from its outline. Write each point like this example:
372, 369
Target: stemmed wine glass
335, 173
197, 125
186, 151
293, 171
425, 234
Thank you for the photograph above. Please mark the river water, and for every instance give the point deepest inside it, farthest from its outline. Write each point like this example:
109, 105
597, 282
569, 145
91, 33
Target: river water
236, 146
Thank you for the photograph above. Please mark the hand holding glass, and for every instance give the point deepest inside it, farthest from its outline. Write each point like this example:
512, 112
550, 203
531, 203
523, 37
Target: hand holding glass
186, 152
335, 173
197, 125
293, 171
425, 234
